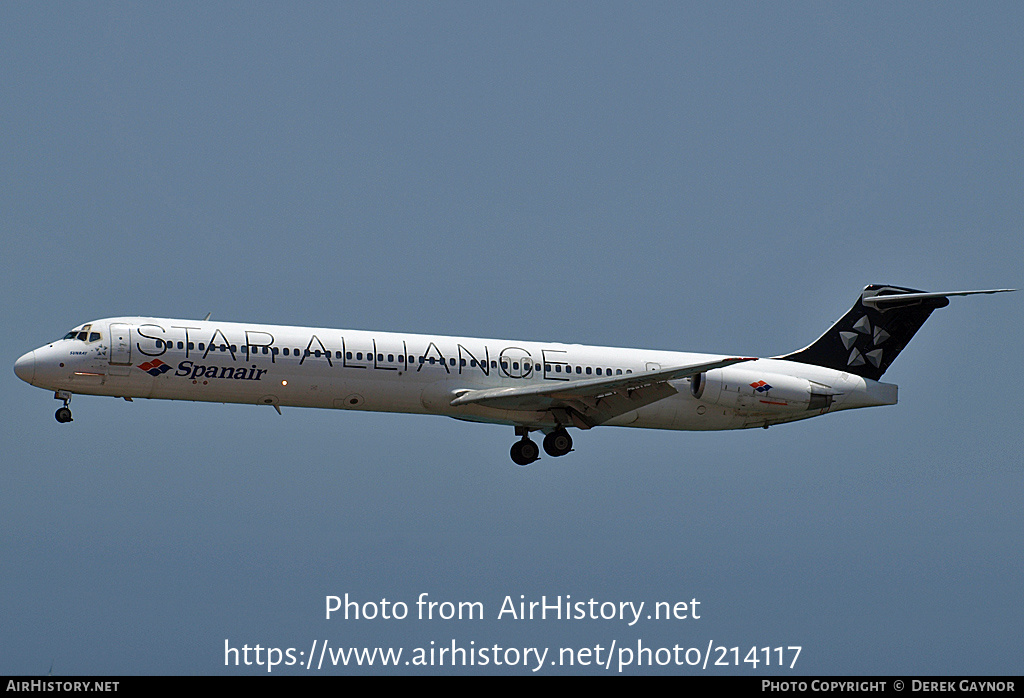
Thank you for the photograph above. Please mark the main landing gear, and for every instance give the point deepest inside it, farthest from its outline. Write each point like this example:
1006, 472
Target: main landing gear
63, 414
525, 451
557, 443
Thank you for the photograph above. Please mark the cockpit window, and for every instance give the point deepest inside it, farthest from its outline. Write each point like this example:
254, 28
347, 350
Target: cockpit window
84, 334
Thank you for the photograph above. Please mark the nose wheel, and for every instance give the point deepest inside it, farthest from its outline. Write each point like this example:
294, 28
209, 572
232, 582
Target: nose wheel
63, 414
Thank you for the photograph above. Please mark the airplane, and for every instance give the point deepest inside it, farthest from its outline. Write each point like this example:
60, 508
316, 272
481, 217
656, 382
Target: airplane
532, 386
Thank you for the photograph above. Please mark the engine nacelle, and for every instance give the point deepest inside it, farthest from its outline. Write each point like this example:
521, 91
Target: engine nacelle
757, 391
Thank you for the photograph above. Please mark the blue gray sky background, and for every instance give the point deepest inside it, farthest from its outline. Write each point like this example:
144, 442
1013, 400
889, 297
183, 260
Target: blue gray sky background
720, 177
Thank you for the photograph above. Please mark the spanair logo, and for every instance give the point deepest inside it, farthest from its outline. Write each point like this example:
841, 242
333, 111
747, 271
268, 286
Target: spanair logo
761, 386
155, 368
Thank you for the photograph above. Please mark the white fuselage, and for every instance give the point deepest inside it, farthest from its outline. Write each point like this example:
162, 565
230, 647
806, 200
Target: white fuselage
135, 357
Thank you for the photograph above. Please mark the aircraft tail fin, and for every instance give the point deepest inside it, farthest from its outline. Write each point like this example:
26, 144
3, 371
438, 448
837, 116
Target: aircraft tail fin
871, 335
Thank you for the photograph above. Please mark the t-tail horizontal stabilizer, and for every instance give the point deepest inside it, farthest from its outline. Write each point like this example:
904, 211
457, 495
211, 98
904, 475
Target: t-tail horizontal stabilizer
871, 335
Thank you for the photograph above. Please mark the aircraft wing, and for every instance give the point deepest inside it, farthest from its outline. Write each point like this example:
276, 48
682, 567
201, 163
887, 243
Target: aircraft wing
592, 401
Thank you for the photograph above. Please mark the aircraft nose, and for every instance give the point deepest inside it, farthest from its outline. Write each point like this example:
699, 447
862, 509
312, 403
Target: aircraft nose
25, 367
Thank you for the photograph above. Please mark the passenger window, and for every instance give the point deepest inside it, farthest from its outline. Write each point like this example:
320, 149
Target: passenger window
348, 355
391, 358
588, 370
599, 372
359, 356
618, 372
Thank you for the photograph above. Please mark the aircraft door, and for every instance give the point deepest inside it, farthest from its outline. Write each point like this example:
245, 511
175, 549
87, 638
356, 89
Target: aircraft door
120, 344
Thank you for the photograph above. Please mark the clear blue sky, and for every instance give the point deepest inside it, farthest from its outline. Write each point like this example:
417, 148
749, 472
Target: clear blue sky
708, 177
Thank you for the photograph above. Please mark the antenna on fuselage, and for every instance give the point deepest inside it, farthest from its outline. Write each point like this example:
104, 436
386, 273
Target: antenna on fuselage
207, 316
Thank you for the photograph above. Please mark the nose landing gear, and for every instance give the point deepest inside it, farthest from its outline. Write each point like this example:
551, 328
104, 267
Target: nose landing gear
63, 414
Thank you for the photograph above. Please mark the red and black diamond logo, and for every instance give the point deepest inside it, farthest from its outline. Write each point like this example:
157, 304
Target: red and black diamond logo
156, 367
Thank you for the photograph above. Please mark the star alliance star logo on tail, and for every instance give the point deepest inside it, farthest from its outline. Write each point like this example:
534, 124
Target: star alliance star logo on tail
155, 368
761, 386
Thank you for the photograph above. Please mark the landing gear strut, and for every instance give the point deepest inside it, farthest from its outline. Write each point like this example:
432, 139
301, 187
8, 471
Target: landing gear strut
63, 414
